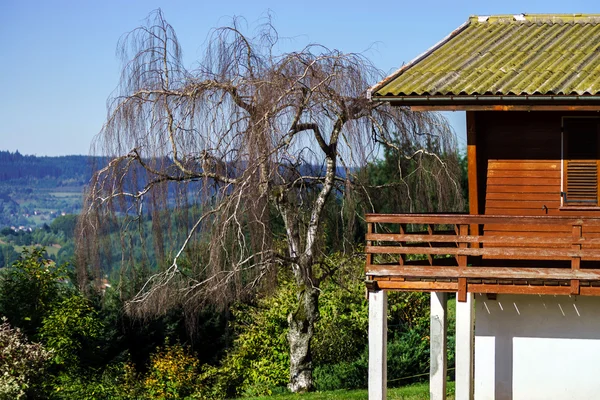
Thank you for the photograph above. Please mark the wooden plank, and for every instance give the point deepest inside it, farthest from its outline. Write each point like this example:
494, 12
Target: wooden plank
524, 204
528, 235
504, 252
492, 238
592, 231
418, 286
589, 291
527, 245
484, 272
519, 289
369, 260
575, 287
486, 288
524, 187
562, 229
522, 196
520, 161
512, 173
524, 165
520, 211
461, 295
463, 230
522, 181
452, 219
576, 261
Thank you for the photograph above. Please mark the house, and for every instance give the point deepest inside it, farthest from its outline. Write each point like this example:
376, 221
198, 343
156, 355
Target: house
525, 265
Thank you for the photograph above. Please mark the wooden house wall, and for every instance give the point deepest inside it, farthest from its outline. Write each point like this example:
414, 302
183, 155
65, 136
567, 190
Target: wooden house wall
519, 170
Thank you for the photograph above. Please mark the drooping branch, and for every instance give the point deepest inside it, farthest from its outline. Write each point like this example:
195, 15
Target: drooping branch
211, 157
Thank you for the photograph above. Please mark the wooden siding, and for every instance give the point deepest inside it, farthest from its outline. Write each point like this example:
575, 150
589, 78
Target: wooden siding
520, 157
522, 187
519, 164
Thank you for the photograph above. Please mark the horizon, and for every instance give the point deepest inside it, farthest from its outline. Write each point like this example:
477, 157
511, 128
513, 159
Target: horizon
64, 64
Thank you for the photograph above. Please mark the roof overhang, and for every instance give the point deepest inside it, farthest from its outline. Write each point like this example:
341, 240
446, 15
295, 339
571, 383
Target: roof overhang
494, 103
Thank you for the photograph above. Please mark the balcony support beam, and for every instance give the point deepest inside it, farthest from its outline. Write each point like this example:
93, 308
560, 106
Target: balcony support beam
438, 346
377, 344
464, 348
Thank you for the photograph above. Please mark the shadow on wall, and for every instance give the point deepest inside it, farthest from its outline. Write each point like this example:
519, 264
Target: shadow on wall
537, 347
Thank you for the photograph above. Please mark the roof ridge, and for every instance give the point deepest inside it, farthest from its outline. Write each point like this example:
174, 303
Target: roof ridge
523, 17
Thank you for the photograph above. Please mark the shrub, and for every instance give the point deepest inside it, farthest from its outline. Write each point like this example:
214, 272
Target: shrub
344, 375
22, 363
341, 331
259, 361
172, 374
29, 289
68, 327
111, 383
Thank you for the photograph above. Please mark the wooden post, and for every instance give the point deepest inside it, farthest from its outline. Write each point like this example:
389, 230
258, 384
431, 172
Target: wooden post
438, 346
377, 345
464, 348
576, 261
369, 255
472, 165
463, 230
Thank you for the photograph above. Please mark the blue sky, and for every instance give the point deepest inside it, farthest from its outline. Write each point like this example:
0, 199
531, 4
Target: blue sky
58, 64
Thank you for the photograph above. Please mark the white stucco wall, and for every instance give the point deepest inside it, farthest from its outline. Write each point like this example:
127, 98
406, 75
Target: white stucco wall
537, 347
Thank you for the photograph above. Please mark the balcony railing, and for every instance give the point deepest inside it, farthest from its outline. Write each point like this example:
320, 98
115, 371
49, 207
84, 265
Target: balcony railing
484, 254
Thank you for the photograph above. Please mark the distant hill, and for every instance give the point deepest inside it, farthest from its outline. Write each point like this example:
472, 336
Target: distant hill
19, 169
35, 190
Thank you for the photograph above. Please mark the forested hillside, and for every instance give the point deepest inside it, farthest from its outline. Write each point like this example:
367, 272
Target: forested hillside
35, 190
21, 170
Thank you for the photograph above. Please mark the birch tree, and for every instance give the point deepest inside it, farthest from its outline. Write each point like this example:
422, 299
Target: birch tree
211, 158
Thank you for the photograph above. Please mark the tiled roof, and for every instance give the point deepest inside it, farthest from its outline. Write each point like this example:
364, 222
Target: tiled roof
546, 54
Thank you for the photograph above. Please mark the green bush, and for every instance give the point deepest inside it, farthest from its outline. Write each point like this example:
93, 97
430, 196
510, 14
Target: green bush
71, 325
341, 330
258, 362
110, 383
344, 375
22, 364
30, 288
172, 374
408, 357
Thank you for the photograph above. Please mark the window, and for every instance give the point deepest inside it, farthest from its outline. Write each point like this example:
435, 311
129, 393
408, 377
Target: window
580, 161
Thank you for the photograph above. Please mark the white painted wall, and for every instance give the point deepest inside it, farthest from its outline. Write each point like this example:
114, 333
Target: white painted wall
537, 347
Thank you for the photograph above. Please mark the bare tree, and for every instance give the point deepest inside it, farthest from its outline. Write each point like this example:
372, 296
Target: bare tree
216, 155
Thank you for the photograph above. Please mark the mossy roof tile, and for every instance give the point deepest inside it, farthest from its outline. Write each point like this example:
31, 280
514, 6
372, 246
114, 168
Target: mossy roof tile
505, 55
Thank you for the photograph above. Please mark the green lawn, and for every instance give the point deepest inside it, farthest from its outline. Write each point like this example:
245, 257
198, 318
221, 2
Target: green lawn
413, 392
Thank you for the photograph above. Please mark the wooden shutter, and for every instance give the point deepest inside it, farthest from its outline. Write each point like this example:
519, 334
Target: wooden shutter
582, 181
581, 161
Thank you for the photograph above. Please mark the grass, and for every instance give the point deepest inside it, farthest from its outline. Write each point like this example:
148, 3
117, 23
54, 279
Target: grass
419, 391
51, 250
75, 195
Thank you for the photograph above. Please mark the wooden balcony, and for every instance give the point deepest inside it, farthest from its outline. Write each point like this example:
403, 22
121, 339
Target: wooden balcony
484, 254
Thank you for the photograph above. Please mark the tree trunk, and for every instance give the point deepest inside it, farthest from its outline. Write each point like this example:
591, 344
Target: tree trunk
301, 329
